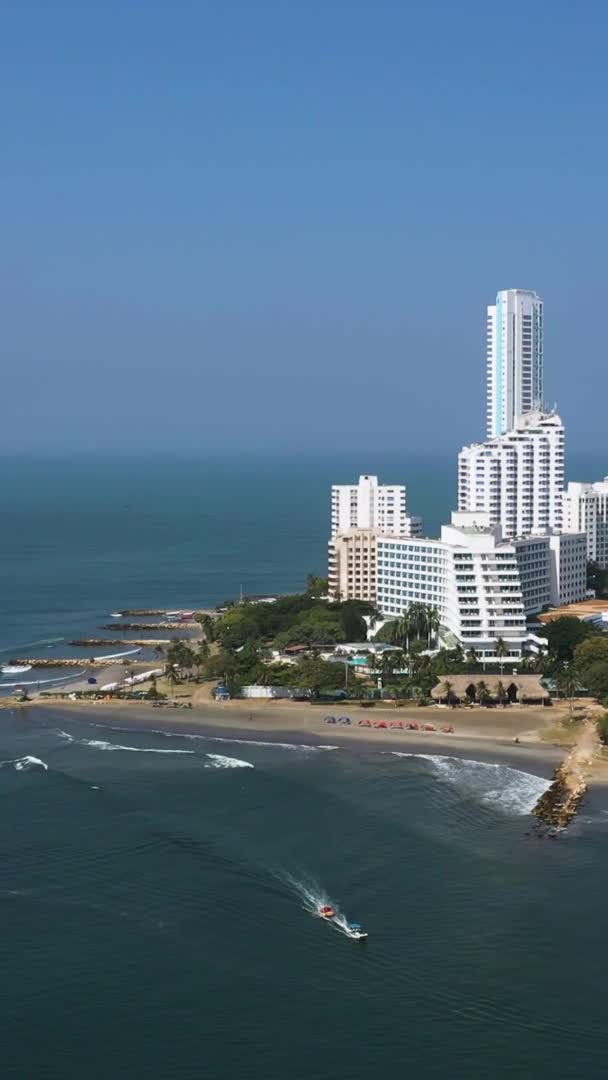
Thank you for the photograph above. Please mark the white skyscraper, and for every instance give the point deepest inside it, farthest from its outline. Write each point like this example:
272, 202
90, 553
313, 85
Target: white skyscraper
586, 510
370, 505
517, 478
514, 358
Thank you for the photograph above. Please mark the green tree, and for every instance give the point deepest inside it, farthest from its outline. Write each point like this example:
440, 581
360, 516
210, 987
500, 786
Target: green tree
482, 692
433, 622
501, 649
567, 683
602, 728
316, 586
472, 659
171, 673
596, 679
501, 693
592, 650
597, 579
447, 688
563, 635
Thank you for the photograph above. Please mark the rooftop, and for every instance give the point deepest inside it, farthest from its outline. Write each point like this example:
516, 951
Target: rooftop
585, 609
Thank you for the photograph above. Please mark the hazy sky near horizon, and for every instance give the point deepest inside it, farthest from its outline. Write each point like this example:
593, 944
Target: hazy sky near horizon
276, 226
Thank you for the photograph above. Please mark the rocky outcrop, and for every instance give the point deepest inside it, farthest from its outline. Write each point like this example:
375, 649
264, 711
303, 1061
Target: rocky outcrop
560, 803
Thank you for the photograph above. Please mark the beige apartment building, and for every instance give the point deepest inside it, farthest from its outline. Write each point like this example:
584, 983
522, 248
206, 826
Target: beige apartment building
352, 565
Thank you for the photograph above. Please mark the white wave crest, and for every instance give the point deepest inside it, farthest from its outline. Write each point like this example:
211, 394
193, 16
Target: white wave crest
24, 763
15, 669
219, 761
496, 785
101, 744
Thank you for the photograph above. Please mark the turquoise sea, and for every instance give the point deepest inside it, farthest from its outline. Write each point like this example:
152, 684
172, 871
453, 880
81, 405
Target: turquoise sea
157, 893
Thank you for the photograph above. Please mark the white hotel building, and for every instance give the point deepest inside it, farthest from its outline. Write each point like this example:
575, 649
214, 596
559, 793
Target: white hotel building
517, 478
586, 510
370, 505
483, 587
514, 377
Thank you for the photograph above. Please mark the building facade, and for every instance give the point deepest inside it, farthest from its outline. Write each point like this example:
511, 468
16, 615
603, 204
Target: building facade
517, 478
514, 374
352, 565
568, 567
482, 585
585, 509
370, 505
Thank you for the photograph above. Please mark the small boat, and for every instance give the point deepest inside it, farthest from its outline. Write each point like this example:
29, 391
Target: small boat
116, 615
356, 931
327, 912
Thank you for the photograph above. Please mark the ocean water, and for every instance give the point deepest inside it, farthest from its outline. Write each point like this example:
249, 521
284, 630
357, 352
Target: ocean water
81, 539
158, 896
158, 892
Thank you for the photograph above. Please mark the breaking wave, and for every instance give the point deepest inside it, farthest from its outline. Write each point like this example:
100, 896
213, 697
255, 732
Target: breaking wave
24, 763
224, 739
101, 744
499, 786
15, 669
218, 761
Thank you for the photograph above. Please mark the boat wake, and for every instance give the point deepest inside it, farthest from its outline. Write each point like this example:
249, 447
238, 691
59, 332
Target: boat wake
25, 763
499, 786
313, 897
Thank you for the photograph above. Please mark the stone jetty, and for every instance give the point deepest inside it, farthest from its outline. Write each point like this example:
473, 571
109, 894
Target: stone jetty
558, 806
75, 662
146, 643
182, 624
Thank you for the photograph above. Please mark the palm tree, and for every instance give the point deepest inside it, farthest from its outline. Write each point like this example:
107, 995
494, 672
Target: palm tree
501, 649
501, 692
397, 632
482, 692
447, 688
472, 658
159, 650
567, 684
171, 674
433, 623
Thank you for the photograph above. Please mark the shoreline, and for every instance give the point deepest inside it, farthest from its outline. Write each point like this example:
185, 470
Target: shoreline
529, 756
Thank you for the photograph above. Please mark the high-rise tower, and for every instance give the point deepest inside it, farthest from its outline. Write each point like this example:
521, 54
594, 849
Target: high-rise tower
515, 359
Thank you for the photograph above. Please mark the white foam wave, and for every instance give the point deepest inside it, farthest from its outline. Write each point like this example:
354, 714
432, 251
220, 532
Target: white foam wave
219, 761
237, 742
101, 744
496, 785
31, 644
24, 763
40, 682
15, 669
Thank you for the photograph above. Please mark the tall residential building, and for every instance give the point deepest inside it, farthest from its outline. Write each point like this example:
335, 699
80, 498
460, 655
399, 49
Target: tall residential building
586, 510
482, 585
370, 505
517, 478
352, 565
514, 359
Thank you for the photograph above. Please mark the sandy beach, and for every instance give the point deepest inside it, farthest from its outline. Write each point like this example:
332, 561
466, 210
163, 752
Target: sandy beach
486, 734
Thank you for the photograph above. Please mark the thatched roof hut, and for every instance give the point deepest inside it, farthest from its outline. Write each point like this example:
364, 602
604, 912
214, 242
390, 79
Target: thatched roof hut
521, 688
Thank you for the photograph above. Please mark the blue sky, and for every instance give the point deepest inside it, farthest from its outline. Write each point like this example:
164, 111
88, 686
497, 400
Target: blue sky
275, 227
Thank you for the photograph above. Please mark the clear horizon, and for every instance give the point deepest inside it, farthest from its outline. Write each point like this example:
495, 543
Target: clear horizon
254, 230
